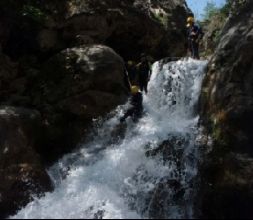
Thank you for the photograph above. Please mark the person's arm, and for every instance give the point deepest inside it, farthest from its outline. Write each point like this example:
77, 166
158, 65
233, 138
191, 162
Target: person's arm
193, 31
199, 34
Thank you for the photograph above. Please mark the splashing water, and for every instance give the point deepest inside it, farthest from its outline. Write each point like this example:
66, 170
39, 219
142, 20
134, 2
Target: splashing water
143, 170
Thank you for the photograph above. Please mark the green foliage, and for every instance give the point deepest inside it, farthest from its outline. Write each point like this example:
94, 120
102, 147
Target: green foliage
214, 19
225, 10
233, 6
33, 12
210, 10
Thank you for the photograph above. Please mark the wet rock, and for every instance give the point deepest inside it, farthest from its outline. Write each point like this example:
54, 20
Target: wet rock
21, 172
70, 88
130, 27
166, 194
227, 109
74, 87
212, 30
99, 214
170, 150
48, 39
8, 69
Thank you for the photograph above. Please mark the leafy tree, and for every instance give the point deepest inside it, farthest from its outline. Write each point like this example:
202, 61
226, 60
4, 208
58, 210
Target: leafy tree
210, 10
226, 8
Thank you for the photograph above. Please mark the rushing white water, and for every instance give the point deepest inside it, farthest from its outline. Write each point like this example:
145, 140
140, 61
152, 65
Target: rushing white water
142, 170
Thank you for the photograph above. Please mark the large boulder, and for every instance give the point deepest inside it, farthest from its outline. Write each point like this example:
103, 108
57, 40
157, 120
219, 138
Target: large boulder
21, 172
72, 88
69, 90
227, 109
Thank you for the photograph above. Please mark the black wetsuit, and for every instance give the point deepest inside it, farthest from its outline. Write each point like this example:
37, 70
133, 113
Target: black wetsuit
193, 40
136, 109
132, 72
144, 75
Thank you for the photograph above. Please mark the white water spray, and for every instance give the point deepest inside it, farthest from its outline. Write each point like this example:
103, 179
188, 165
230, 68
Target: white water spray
143, 170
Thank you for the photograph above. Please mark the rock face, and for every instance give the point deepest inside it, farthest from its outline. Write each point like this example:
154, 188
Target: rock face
69, 90
75, 86
56, 58
227, 107
129, 27
212, 30
21, 172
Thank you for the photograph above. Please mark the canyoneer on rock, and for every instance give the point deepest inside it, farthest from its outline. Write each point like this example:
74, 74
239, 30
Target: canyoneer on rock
144, 73
194, 34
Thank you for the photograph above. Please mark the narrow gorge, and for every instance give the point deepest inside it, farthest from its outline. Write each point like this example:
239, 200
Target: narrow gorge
64, 152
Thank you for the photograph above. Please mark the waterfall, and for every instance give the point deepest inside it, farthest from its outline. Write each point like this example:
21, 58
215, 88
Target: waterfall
134, 170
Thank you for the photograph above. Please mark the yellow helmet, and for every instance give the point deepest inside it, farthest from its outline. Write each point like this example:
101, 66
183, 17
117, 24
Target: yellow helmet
135, 89
190, 20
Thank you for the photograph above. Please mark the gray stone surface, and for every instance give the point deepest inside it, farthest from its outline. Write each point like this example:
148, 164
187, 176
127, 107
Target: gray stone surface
227, 106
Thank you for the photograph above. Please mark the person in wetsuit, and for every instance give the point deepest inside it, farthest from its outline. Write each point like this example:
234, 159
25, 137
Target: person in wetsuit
144, 73
194, 34
136, 109
132, 72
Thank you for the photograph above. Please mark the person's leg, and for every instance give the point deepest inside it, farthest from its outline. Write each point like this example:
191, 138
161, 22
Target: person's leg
146, 86
137, 115
195, 50
131, 77
192, 49
141, 84
129, 113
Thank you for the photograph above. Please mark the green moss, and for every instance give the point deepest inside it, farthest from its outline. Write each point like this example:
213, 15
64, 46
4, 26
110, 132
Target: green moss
161, 18
33, 12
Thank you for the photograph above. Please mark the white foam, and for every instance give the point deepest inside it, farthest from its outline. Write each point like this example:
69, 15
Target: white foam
117, 180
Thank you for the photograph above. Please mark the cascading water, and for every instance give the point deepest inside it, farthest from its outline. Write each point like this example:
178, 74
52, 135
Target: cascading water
142, 170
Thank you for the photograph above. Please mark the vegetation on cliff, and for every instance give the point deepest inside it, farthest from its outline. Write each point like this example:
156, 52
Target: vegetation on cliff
214, 19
